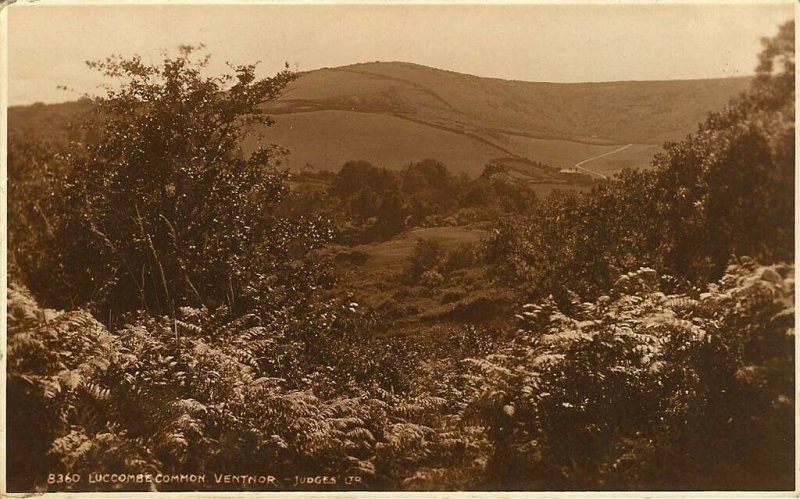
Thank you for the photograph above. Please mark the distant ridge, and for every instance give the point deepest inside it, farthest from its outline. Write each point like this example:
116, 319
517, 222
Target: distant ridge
392, 112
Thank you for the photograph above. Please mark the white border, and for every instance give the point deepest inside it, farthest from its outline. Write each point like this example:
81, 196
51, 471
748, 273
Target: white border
3, 236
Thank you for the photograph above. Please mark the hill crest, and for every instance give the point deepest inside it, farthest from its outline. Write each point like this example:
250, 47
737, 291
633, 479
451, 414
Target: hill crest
392, 113
559, 124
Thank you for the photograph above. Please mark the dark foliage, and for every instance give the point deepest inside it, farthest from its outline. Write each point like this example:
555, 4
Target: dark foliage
646, 390
163, 210
378, 203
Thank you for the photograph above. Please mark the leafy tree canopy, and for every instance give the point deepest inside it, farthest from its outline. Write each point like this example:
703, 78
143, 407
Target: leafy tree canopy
164, 209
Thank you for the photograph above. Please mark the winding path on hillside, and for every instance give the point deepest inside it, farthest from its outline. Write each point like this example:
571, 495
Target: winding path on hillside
579, 166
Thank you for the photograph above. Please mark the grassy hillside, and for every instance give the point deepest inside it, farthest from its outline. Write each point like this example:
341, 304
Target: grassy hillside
393, 113
617, 112
325, 140
48, 122
556, 124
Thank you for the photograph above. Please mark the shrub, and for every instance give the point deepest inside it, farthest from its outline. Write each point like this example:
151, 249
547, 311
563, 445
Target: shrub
427, 256
641, 389
431, 278
163, 210
460, 258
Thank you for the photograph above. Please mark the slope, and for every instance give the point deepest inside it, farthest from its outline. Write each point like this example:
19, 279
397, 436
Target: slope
556, 124
393, 113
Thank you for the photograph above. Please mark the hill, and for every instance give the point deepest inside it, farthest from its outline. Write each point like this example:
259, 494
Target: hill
393, 112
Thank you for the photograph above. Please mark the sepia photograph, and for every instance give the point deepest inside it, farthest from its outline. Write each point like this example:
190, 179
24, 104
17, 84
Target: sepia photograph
428, 247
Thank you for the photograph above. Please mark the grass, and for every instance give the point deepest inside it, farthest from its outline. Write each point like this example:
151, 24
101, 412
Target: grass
637, 156
325, 140
622, 112
554, 152
377, 283
389, 257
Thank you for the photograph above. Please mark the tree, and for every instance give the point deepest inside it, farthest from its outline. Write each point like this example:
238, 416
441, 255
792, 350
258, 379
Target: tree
365, 204
728, 189
166, 209
357, 174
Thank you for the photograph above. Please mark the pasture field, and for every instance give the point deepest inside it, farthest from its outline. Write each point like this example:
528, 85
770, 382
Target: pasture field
622, 112
325, 140
636, 156
566, 153
555, 152
388, 258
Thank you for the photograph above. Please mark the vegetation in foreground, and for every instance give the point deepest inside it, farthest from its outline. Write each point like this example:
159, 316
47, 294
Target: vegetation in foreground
210, 324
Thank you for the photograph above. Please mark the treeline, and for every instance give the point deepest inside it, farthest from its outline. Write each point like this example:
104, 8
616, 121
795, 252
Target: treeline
367, 203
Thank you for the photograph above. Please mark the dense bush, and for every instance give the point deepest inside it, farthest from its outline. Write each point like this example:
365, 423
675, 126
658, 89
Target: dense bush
646, 390
163, 210
461, 257
640, 389
196, 394
427, 256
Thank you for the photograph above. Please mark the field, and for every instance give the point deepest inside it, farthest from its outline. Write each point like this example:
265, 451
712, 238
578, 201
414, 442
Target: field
385, 261
331, 115
558, 153
621, 112
325, 140
389, 257
636, 156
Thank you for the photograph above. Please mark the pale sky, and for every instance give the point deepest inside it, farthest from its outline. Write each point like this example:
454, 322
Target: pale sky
48, 44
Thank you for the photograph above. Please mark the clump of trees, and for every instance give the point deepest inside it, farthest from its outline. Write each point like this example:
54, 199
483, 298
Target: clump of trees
163, 209
376, 203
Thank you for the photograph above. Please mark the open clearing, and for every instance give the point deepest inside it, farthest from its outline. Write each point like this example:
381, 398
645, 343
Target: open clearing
391, 256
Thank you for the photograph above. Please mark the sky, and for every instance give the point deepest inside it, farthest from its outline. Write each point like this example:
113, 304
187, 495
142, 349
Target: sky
49, 44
